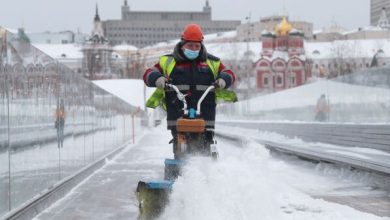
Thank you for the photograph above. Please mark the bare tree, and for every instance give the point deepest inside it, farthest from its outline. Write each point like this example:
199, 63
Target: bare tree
344, 57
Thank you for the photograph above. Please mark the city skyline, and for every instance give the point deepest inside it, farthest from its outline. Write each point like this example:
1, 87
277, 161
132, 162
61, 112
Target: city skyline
46, 15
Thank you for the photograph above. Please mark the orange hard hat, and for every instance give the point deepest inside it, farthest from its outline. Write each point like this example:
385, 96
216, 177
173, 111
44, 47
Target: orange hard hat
192, 32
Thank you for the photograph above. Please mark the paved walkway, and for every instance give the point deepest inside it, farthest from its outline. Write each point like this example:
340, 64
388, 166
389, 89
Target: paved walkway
110, 192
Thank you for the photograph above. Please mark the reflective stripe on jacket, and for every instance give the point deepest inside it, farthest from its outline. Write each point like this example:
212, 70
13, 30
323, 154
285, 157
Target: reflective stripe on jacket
167, 64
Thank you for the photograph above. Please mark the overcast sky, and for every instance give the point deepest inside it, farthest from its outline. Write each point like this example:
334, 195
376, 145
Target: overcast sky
57, 15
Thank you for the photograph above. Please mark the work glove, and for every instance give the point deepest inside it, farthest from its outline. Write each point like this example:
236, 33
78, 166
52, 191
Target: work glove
220, 83
160, 82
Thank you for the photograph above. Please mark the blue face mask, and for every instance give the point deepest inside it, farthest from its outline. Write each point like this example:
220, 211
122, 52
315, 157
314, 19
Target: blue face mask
191, 54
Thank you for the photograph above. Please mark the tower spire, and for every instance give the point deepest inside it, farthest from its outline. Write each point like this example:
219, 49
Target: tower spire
207, 8
97, 17
125, 2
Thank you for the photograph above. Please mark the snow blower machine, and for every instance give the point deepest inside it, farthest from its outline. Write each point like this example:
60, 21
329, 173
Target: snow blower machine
190, 140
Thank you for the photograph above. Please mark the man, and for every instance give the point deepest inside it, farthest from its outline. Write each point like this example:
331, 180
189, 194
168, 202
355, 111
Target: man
60, 123
192, 69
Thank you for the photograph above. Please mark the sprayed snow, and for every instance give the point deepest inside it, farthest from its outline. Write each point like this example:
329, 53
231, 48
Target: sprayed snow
249, 184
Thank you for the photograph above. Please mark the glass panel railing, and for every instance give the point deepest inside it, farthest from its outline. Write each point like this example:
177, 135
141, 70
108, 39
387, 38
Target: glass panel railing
361, 97
53, 122
34, 161
4, 137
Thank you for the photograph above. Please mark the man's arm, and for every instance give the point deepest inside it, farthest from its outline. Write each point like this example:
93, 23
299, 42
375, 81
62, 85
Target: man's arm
152, 74
227, 75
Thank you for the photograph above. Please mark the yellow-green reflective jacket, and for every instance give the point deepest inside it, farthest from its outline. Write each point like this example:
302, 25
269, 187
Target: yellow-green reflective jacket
167, 63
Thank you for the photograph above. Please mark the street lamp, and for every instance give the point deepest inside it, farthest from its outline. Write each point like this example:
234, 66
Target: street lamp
248, 19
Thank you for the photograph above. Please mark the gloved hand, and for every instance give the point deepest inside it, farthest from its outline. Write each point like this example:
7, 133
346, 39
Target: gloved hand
220, 83
160, 82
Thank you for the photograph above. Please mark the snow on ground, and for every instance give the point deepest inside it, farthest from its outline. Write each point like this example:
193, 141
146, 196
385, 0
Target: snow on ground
61, 51
307, 95
131, 91
354, 152
110, 192
347, 48
234, 51
246, 183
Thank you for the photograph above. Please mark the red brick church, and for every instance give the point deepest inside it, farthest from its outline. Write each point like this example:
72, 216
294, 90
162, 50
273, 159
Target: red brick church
283, 62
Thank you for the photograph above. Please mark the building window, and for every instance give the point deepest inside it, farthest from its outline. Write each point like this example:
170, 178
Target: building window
265, 81
292, 79
279, 80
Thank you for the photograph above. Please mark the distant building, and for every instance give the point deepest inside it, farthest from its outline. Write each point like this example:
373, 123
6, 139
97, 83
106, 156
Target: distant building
383, 21
144, 28
345, 52
252, 31
283, 62
335, 32
97, 54
62, 37
65, 37
376, 10
381, 30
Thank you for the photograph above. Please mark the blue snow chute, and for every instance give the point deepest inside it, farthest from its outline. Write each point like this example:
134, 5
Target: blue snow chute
172, 169
163, 184
153, 196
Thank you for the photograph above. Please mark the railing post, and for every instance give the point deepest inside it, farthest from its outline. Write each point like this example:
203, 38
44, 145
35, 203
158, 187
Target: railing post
132, 121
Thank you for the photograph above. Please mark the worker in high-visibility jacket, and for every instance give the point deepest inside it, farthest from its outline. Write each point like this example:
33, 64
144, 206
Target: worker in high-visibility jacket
192, 70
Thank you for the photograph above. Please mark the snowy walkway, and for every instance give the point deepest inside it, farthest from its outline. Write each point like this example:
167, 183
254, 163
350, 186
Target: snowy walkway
110, 192
246, 183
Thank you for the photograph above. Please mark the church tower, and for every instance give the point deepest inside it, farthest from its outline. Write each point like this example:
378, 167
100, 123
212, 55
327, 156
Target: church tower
125, 10
97, 61
207, 10
97, 32
282, 30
